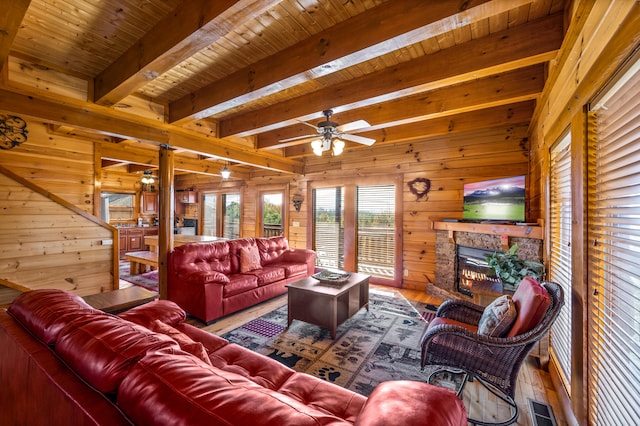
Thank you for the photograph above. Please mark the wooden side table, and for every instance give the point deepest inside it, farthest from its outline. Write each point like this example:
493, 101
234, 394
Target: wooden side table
120, 300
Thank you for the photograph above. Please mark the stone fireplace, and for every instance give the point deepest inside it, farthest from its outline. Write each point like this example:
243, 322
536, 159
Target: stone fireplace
451, 236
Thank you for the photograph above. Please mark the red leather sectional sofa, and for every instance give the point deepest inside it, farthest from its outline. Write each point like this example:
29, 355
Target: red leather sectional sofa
212, 280
65, 363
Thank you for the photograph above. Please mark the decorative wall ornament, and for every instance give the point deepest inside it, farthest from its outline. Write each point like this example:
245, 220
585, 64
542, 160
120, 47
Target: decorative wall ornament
297, 202
420, 187
13, 131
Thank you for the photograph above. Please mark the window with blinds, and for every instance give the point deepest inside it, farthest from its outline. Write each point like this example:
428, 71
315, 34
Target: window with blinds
376, 230
560, 257
614, 252
328, 227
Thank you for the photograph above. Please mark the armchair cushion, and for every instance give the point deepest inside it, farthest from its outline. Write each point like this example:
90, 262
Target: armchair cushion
448, 321
532, 302
498, 317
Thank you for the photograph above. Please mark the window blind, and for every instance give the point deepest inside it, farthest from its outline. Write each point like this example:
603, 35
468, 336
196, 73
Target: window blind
328, 227
560, 257
376, 230
614, 253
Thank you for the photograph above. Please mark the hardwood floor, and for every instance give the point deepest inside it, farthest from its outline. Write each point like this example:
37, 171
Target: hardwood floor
533, 382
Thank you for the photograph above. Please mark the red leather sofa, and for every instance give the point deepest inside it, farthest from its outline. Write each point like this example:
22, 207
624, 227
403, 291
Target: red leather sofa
65, 363
212, 280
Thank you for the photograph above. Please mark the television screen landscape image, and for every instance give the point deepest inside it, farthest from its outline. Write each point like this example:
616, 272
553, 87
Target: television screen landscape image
497, 200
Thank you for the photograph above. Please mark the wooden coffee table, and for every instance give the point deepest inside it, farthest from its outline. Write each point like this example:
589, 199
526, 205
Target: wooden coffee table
327, 305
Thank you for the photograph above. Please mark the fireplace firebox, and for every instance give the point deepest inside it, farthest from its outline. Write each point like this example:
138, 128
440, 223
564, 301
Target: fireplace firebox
474, 271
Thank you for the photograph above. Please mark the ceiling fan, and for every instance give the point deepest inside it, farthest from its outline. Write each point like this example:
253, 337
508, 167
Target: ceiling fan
331, 135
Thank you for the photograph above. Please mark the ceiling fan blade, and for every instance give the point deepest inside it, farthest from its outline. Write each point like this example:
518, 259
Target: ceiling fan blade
358, 139
354, 125
297, 138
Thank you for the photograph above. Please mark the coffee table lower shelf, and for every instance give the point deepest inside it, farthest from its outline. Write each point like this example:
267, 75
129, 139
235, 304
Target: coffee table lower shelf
327, 305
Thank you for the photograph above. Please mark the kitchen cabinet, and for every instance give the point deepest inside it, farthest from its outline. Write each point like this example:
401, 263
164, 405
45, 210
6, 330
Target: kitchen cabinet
187, 197
132, 239
149, 204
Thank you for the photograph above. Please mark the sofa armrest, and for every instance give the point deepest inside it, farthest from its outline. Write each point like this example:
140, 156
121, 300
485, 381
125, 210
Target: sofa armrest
299, 255
409, 402
205, 277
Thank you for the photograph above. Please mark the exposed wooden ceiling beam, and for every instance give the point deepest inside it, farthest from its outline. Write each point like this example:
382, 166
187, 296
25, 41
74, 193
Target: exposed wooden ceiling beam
145, 158
107, 121
10, 20
500, 89
378, 30
193, 26
528, 44
519, 113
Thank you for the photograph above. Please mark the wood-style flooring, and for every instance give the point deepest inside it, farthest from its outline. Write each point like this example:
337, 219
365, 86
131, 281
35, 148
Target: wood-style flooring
533, 382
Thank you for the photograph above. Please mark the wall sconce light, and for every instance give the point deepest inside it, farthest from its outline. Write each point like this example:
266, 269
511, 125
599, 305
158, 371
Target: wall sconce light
225, 173
147, 177
297, 202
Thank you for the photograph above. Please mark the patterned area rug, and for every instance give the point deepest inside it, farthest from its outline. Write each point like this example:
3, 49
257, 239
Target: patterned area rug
148, 280
370, 347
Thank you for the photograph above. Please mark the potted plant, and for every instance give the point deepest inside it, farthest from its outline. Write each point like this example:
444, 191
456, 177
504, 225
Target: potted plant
510, 269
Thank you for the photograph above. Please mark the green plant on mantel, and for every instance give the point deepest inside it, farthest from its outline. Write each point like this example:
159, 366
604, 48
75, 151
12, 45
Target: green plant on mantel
510, 269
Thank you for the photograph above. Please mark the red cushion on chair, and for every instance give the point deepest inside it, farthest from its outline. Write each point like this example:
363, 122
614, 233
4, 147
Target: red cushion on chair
448, 321
532, 301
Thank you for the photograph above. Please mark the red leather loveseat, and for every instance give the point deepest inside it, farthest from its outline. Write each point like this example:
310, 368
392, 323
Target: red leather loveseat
212, 280
65, 363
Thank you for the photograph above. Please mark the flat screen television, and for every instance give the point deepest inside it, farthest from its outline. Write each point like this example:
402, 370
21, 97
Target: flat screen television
495, 200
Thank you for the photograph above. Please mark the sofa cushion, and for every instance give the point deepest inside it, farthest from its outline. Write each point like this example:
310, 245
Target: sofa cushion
239, 283
45, 312
186, 343
271, 249
291, 269
103, 350
498, 317
249, 259
268, 275
258, 368
163, 310
234, 251
189, 258
532, 302
172, 389
324, 396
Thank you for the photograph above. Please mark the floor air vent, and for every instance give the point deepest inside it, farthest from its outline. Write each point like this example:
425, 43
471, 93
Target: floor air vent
541, 414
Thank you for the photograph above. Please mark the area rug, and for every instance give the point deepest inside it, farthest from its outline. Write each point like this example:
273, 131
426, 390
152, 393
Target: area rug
148, 280
370, 347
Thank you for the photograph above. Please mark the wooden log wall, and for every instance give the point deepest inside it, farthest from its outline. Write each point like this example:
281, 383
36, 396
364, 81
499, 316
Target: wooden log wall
447, 161
47, 236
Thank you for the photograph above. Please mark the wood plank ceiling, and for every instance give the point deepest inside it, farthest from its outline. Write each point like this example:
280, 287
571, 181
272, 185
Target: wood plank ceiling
229, 80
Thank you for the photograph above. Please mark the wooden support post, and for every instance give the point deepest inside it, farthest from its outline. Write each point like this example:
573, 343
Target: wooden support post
166, 216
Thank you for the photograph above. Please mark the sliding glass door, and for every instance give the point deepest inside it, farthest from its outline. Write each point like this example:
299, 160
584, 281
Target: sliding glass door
357, 227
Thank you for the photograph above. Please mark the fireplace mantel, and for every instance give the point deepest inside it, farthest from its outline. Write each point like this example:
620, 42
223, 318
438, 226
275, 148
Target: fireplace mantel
502, 230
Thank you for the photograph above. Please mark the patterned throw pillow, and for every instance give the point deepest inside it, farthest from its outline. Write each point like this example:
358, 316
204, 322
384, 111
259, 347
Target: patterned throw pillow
498, 317
249, 258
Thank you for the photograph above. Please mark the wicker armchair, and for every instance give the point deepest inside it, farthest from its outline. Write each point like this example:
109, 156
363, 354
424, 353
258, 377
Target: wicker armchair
494, 362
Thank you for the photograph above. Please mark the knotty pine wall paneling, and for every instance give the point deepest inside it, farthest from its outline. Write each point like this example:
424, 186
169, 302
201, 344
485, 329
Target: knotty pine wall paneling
44, 244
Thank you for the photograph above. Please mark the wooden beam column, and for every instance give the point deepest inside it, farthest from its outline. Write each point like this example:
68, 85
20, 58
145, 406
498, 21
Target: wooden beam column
166, 216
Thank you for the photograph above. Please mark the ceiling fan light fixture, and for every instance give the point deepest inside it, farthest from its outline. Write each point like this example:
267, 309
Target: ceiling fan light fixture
147, 177
338, 147
316, 145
